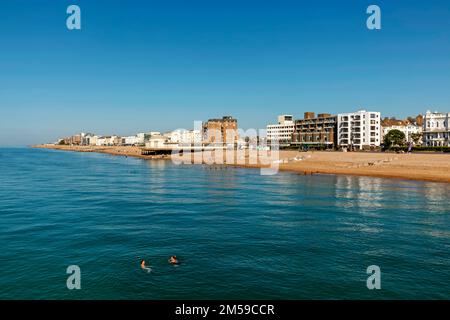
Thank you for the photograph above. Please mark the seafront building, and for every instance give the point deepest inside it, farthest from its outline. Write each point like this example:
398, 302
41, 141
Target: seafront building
86, 138
109, 141
359, 130
436, 129
130, 141
218, 131
92, 140
157, 141
281, 133
73, 140
408, 129
315, 131
184, 137
137, 140
77, 139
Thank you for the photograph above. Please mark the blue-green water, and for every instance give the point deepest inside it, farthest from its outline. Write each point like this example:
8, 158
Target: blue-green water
237, 234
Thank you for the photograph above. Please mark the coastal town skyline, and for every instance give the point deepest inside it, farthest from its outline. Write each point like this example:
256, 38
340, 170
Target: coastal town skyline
139, 67
356, 130
224, 159
386, 123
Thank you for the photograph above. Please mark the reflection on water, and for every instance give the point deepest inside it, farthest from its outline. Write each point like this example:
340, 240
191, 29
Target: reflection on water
283, 236
363, 193
436, 197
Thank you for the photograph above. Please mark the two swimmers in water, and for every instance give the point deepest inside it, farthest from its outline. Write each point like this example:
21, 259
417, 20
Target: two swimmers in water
172, 260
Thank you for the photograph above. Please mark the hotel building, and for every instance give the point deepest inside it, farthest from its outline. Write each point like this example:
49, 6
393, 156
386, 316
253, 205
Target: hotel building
436, 129
315, 131
359, 130
408, 130
281, 133
217, 130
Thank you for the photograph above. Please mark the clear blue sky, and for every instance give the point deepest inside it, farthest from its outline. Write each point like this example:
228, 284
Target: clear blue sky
158, 65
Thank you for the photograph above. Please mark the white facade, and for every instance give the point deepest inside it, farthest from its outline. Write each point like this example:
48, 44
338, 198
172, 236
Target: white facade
281, 132
408, 130
108, 141
86, 138
93, 140
136, 140
101, 141
130, 141
184, 137
436, 129
359, 129
157, 141
140, 138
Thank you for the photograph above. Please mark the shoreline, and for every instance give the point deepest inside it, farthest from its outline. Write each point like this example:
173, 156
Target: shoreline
430, 167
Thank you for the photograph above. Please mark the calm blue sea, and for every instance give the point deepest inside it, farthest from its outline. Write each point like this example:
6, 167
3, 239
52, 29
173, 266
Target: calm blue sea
238, 234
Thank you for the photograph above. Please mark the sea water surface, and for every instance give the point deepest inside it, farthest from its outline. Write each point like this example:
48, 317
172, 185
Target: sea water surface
238, 235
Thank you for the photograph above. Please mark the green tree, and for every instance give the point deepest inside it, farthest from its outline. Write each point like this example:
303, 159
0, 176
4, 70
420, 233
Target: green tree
394, 138
416, 137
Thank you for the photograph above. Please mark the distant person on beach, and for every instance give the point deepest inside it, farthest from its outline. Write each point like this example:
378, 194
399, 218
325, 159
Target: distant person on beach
173, 260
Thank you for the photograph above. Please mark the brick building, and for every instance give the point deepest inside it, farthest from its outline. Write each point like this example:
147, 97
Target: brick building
217, 130
315, 131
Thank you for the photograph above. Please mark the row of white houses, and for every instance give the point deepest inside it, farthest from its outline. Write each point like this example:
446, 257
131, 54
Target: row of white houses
153, 139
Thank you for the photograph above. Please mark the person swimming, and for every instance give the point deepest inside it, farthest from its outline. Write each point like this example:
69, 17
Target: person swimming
144, 266
173, 260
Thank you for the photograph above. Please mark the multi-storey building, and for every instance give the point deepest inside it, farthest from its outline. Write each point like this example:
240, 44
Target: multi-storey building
281, 133
408, 129
109, 141
130, 141
93, 140
184, 137
436, 129
220, 131
75, 139
359, 130
315, 131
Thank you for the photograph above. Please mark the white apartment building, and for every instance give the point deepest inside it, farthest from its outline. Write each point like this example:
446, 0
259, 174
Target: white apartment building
130, 141
86, 138
108, 141
184, 137
408, 130
281, 132
93, 140
136, 140
361, 129
436, 129
140, 138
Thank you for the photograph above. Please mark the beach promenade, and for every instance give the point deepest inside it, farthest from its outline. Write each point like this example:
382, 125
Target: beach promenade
416, 166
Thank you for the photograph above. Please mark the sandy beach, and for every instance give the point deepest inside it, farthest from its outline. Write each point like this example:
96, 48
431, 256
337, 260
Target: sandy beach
416, 166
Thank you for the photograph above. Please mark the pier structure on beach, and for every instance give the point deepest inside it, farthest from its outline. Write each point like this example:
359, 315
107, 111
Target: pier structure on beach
150, 151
